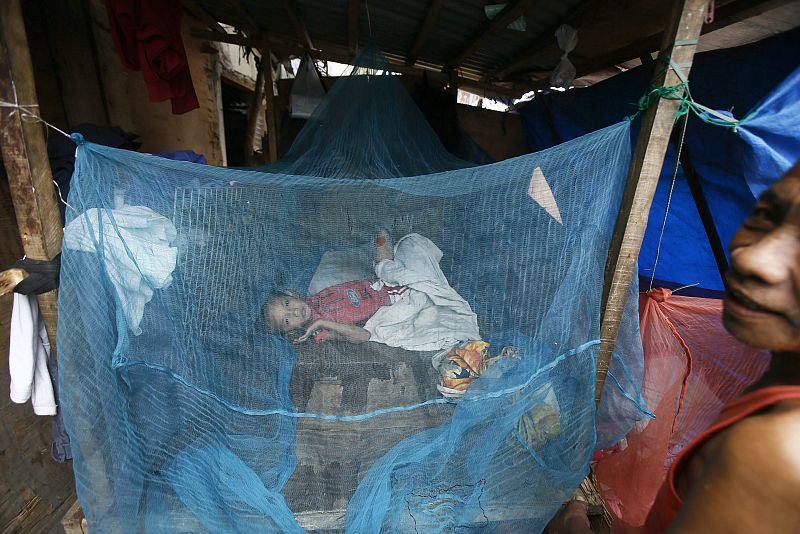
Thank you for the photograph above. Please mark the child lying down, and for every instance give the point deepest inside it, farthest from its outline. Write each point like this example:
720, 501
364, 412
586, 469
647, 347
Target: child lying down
409, 305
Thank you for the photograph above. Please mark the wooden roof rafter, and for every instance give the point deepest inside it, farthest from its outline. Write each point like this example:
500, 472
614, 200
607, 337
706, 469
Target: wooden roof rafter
725, 16
298, 23
250, 26
341, 54
192, 7
352, 26
574, 18
509, 14
428, 24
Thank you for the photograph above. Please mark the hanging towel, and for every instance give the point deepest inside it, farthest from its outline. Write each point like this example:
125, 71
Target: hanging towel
137, 251
29, 350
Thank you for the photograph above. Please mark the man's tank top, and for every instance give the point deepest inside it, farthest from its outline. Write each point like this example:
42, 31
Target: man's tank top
668, 502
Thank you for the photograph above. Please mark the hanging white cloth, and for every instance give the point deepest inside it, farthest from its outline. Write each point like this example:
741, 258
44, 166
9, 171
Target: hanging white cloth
29, 350
137, 251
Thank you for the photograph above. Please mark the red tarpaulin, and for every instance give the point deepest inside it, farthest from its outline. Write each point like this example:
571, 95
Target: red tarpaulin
692, 368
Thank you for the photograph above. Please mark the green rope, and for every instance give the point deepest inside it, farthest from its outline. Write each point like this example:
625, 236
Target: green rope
680, 92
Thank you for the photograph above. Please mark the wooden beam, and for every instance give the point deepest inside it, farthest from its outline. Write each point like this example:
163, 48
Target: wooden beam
250, 26
229, 38
297, 21
25, 154
272, 122
651, 145
509, 14
192, 7
242, 40
725, 16
332, 52
425, 31
256, 109
574, 18
452, 83
352, 26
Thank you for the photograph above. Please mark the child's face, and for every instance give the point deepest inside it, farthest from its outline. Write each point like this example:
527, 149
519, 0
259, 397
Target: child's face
286, 313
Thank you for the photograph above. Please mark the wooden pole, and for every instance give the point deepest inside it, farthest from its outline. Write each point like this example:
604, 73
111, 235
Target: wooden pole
425, 31
352, 26
680, 41
272, 123
25, 154
256, 109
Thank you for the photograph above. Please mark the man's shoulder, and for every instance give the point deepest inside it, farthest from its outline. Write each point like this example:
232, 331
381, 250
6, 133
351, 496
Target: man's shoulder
765, 445
748, 477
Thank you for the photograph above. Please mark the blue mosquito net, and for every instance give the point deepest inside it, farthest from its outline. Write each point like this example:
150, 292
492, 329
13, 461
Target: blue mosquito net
469, 410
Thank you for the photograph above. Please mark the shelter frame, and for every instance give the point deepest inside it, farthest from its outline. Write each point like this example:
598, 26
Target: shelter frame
34, 197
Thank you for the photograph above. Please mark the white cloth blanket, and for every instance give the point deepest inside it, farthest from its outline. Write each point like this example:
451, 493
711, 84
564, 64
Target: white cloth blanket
29, 349
433, 316
137, 251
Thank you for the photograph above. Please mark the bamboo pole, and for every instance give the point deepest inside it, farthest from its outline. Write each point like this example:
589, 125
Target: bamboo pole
679, 43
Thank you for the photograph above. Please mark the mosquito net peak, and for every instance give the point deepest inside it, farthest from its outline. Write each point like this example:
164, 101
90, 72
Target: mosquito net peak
368, 126
213, 324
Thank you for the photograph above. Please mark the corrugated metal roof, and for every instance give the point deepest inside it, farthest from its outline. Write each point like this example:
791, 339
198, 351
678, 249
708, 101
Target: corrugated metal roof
607, 30
394, 25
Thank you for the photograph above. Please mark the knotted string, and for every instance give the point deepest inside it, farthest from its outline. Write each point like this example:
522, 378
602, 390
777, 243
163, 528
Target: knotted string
27, 114
687, 104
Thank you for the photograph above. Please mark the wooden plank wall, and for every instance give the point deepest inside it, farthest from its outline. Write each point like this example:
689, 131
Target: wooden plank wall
130, 109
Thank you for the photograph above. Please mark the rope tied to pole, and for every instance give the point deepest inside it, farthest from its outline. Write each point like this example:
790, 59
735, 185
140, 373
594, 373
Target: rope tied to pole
687, 104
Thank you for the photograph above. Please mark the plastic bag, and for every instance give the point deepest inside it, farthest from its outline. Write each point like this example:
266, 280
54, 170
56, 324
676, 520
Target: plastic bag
307, 90
564, 73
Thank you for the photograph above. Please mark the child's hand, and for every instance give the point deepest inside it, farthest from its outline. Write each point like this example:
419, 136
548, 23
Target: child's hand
312, 328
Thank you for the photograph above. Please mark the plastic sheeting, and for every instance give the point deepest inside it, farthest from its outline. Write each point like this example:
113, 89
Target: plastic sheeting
200, 419
734, 166
564, 73
693, 367
307, 90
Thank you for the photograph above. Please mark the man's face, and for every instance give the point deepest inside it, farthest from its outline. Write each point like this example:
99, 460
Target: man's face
762, 304
286, 313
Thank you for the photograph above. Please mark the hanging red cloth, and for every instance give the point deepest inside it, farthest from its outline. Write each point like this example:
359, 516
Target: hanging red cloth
692, 368
147, 37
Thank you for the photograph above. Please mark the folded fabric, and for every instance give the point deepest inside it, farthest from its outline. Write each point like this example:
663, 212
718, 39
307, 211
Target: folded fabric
135, 242
433, 316
29, 350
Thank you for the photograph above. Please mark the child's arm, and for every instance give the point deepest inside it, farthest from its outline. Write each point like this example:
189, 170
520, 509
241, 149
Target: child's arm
347, 332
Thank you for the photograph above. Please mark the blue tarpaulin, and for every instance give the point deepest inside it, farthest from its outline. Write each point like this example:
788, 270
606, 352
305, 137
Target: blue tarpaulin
760, 81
